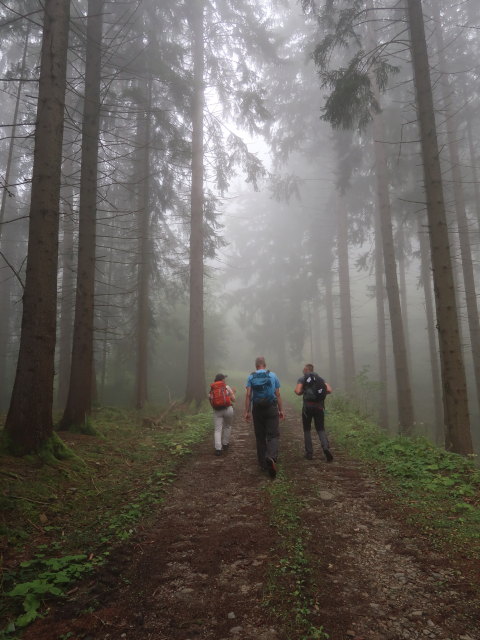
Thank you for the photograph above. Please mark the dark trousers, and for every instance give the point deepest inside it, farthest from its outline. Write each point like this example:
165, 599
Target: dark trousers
266, 426
315, 413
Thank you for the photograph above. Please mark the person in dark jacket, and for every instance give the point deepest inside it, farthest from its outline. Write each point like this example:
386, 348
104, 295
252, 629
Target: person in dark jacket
314, 389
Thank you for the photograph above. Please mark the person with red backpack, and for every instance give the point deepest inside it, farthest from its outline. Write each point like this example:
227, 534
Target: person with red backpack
221, 398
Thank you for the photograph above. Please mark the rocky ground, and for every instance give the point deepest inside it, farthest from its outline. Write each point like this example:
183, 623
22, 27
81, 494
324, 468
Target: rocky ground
201, 571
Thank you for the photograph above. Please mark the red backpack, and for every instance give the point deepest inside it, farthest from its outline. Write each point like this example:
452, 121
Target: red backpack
218, 396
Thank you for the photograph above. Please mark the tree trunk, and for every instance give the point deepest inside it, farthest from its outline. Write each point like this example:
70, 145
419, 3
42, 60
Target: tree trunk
397, 314
460, 208
144, 253
29, 421
381, 326
106, 329
402, 375
432, 341
79, 400
458, 436
5, 321
345, 296
8, 169
473, 158
66, 303
5, 281
332, 350
402, 278
196, 339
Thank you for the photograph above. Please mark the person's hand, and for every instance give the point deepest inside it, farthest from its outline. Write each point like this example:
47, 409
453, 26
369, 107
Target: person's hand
247, 415
282, 415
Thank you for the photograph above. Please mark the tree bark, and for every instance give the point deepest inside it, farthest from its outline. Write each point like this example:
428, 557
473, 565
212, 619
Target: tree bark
458, 437
397, 314
144, 252
196, 339
345, 296
402, 374
460, 207
67, 297
432, 338
29, 421
79, 402
381, 326
332, 348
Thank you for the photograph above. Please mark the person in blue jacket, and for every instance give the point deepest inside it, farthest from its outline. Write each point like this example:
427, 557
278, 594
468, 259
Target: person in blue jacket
264, 404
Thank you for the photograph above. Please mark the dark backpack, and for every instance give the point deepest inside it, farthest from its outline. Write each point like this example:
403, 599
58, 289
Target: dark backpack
314, 388
263, 390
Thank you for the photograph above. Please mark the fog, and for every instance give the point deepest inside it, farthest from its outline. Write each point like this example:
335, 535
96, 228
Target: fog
202, 184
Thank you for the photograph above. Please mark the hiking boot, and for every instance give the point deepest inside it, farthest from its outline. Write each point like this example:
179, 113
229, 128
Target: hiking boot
225, 447
218, 452
272, 468
309, 456
328, 455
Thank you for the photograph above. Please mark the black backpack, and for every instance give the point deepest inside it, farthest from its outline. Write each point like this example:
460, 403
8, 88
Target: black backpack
314, 388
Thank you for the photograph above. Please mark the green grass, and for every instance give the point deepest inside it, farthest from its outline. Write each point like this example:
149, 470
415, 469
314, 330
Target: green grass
82, 511
291, 580
439, 491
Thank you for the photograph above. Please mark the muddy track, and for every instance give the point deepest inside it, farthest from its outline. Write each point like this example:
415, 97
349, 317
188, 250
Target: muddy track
202, 570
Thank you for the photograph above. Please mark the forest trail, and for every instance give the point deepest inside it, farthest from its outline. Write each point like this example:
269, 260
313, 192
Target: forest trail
202, 571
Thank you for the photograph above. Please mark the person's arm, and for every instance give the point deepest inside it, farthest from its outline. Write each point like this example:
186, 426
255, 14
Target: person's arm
279, 403
248, 395
231, 393
299, 389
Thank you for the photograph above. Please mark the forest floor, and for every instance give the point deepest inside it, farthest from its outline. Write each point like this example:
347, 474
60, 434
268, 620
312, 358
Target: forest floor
320, 552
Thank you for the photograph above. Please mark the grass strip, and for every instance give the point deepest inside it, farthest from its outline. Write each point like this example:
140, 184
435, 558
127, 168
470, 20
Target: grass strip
291, 580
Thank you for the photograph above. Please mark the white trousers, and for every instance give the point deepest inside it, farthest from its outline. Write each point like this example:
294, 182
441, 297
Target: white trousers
222, 420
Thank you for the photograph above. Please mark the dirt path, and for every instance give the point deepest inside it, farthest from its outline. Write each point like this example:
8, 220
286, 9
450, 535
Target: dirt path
201, 571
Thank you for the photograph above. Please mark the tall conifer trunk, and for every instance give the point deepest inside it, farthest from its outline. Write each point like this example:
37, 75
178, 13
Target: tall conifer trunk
29, 421
381, 325
345, 295
79, 401
67, 295
332, 346
402, 374
196, 339
6, 282
460, 206
457, 420
144, 251
432, 336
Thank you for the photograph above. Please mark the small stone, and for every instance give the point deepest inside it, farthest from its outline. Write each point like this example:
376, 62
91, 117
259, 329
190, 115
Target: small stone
326, 495
236, 630
231, 616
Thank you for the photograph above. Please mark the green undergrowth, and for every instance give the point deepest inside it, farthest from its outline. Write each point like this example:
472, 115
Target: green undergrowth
439, 491
58, 522
291, 580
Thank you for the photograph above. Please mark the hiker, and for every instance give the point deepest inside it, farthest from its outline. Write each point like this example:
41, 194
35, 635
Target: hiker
264, 402
221, 398
314, 389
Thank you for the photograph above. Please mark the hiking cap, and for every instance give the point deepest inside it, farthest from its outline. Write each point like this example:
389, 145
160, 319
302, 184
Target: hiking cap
220, 376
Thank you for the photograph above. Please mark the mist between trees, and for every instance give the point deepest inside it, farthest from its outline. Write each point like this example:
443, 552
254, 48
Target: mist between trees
186, 185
